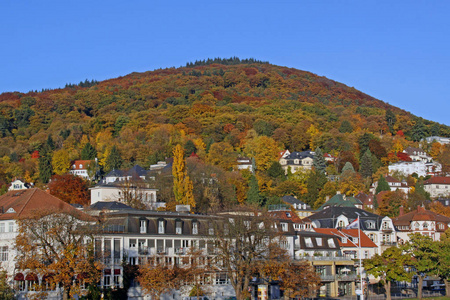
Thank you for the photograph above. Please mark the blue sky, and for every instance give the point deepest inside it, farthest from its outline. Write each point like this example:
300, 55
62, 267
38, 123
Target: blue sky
396, 51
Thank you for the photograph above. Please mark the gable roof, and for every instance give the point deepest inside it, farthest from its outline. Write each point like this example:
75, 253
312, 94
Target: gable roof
25, 203
81, 164
327, 218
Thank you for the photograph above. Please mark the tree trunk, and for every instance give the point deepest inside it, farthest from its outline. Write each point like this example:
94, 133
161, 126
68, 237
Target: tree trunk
420, 288
387, 287
447, 287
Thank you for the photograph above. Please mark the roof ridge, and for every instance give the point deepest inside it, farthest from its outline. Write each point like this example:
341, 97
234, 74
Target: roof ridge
27, 201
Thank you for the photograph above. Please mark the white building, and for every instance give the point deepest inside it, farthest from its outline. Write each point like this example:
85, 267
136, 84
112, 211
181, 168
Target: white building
437, 186
81, 168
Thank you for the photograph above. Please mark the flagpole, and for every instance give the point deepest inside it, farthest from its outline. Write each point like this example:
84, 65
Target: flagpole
360, 256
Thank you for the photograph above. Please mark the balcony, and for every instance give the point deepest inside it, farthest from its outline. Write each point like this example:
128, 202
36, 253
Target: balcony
327, 277
385, 243
387, 229
161, 251
180, 251
325, 258
144, 251
347, 277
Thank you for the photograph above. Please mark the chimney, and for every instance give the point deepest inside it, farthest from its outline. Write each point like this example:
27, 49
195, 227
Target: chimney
402, 212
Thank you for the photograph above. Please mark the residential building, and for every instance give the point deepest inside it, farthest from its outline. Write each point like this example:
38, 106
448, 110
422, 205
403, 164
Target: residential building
417, 154
437, 186
302, 209
244, 163
438, 139
81, 168
393, 183
366, 200
379, 229
421, 221
22, 204
18, 184
350, 241
297, 160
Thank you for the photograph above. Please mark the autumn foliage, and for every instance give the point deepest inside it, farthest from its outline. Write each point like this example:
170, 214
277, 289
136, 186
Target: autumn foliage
70, 188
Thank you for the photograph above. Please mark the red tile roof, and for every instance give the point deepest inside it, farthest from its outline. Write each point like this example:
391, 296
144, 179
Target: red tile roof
287, 216
25, 203
438, 180
84, 164
366, 242
421, 214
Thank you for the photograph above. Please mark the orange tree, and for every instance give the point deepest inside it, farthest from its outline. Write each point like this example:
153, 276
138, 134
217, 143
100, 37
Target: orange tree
58, 246
70, 188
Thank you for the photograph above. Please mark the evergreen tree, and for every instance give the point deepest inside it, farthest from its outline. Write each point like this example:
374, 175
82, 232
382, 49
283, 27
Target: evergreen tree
366, 164
114, 160
319, 163
276, 171
363, 142
418, 131
348, 167
190, 148
314, 184
88, 152
253, 194
45, 164
390, 119
50, 143
382, 185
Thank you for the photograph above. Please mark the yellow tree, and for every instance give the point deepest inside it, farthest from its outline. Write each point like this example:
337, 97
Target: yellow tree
61, 162
265, 151
312, 132
182, 184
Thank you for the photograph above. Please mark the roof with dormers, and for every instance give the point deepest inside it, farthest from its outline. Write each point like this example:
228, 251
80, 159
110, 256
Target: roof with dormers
27, 203
420, 214
81, 164
349, 234
341, 200
327, 218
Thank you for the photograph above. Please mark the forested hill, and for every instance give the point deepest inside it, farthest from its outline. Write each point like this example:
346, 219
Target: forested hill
221, 100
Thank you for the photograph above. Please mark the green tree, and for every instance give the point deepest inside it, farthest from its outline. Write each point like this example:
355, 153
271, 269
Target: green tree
45, 165
319, 163
189, 148
424, 253
276, 171
345, 127
348, 167
366, 164
88, 152
390, 119
114, 160
443, 254
382, 185
314, 184
363, 142
253, 194
389, 266
418, 131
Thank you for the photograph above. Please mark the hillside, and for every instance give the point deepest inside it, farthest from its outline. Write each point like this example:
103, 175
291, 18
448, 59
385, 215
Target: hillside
231, 102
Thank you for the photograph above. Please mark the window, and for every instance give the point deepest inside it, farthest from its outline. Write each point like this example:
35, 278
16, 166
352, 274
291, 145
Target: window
2, 227
160, 226
143, 227
331, 243
194, 228
370, 224
344, 240
107, 280
355, 240
308, 242
11, 226
178, 227
284, 226
425, 225
319, 241
132, 243
341, 224
211, 231
4, 253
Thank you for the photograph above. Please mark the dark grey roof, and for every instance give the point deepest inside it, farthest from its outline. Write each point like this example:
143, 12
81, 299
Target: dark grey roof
109, 205
115, 173
327, 218
300, 155
291, 200
313, 235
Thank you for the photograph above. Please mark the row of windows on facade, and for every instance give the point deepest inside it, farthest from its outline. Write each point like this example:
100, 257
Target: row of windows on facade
7, 227
309, 243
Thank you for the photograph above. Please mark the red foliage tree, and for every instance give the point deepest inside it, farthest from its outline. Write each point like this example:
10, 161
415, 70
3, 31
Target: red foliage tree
70, 188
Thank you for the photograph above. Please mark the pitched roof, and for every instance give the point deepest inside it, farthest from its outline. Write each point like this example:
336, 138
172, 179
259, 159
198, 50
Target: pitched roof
327, 218
421, 214
286, 215
438, 180
366, 242
81, 164
109, 205
341, 200
25, 203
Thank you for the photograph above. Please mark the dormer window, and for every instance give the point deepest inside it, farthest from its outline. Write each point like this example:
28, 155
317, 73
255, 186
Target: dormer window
331, 243
308, 242
161, 227
143, 226
344, 240
296, 161
178, 227
319, 241
284, 226
194, 228
355, 240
